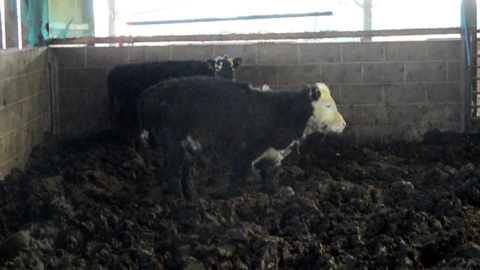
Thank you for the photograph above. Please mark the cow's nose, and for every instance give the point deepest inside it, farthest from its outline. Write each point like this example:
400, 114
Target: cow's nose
344, 124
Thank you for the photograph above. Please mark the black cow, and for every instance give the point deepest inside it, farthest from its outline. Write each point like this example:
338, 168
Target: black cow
238, 123
127, 82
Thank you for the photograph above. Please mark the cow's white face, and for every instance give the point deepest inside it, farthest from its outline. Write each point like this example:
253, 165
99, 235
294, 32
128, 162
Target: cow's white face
326, 117
224, 66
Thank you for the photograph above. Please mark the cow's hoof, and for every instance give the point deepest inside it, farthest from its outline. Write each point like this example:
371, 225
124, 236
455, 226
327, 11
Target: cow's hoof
270, 187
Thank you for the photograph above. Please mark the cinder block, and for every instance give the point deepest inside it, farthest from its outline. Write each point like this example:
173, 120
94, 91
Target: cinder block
36, 82
149, 54
320, 53
61, 78
363, 52
258, 75
34, 59
435, 118
29, 109
8, 91
405, 51
11, 61
273, 53
455, 70
85, 78
423, 118
341, 73
246, 52
21, 138
71, 122
392, 133
335, 92
426, 71
348, 113
455, 115
192, 52
97, 99
444, 92
72, 100
3, 92
370, 115
43, 102
404, 93
384, 72
4, 144
445, 50
367, 135
15, 117
395, 115
415, 119
11, 94
3, 120
298, 74
69, 57
106, 57
361, 94
22, 85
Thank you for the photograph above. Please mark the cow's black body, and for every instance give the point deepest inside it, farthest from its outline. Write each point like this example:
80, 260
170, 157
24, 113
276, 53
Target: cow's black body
127, 82
229, 118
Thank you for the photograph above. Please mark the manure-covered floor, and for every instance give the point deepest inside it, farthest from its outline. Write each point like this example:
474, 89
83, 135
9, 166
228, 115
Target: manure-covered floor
91, 204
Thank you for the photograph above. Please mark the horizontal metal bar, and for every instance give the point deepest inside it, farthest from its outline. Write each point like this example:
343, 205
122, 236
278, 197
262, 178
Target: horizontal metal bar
270, 36
241, 18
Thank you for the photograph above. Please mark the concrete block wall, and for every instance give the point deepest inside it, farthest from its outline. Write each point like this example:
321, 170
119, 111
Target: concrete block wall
24, 105
387, 91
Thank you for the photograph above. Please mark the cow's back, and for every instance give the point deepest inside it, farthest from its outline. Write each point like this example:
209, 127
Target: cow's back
129, 81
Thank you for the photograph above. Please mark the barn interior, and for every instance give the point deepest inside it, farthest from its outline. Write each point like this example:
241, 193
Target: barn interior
399, 187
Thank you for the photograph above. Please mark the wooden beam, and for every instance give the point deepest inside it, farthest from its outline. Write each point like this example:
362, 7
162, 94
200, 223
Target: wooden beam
254, 37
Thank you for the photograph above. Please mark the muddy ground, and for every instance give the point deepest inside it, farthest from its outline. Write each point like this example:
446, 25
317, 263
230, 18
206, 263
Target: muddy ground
90, 204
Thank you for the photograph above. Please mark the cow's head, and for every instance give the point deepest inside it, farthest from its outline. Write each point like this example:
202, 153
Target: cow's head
326, 117
224, 66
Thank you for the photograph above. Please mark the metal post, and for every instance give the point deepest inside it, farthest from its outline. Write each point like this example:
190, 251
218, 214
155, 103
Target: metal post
469, 22
111, 18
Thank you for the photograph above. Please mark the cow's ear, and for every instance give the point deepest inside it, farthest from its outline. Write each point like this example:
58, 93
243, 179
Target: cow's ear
211, 64
315, 92
237, 62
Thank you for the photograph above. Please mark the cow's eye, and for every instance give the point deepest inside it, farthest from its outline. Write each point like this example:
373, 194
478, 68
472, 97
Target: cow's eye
328, 105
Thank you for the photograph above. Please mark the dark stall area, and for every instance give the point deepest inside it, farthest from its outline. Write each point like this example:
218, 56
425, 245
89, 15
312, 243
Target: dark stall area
185, 136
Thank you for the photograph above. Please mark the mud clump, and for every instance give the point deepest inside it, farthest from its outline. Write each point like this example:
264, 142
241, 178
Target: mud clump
91, 204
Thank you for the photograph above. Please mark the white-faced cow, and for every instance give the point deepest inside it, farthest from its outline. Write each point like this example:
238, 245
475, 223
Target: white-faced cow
127, 82
238, 123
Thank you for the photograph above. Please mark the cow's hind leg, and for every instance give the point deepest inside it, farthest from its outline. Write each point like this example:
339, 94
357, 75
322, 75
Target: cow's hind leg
269, 171
173, 156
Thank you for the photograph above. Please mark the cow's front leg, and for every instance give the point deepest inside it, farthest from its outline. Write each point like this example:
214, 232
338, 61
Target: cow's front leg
269, 171
187, 177
173, 155
239, 169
